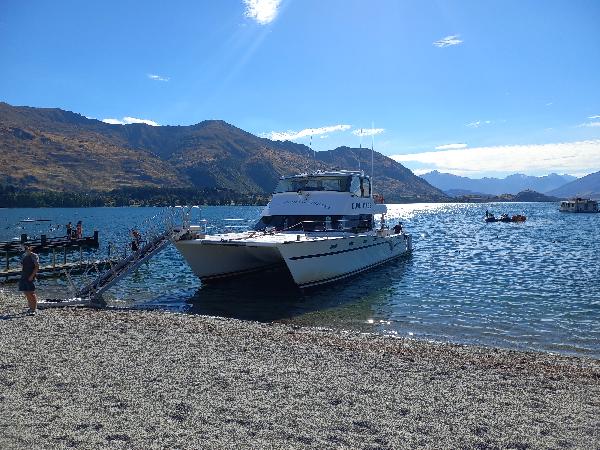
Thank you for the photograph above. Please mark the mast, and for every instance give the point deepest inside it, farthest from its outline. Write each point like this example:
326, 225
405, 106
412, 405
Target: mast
372, 151
360, 148
314, 153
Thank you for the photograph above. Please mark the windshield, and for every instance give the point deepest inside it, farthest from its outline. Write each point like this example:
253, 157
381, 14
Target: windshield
339, 184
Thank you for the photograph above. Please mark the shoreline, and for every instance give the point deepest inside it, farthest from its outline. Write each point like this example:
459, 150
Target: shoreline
152, 379
449, 201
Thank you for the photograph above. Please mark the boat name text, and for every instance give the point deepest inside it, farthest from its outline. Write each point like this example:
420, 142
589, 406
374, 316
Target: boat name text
364, 205
323, 205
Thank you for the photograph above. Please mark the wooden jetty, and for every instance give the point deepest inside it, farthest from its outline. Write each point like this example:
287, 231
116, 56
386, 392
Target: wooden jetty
46, 245
53, 270
56, 248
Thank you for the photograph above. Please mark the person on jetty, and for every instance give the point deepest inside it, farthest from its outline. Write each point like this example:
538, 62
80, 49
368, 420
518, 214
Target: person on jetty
79, 230
69, 231
398, 228
31, 265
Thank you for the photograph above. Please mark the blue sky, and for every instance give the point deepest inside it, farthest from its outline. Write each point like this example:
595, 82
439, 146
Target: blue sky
469, 87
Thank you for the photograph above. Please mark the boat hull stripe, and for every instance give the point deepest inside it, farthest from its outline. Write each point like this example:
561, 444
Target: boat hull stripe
318, 255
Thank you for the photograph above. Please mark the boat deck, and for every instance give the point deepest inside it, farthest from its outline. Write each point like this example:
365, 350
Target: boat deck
268, 239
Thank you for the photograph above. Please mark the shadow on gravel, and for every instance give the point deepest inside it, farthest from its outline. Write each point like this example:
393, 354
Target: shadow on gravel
273, 296
13, 316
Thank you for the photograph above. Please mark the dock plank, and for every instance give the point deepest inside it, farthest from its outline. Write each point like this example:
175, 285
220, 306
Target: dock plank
57, 269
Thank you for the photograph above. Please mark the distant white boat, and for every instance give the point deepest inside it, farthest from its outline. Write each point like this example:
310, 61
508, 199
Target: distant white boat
321, 226
579, 205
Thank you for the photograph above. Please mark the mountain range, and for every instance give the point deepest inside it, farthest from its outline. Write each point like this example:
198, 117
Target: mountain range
55, 150
586, 187
455, 185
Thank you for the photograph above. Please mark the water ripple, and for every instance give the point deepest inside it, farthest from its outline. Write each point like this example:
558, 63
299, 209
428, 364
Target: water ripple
534, 285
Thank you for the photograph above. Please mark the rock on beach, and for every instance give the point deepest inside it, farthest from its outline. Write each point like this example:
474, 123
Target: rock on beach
86, 378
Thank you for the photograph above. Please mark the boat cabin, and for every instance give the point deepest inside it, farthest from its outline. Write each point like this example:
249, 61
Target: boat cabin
579, 205
356, 183
322, 201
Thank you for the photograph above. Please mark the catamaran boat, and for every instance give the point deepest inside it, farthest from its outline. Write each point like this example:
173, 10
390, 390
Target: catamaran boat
321, 226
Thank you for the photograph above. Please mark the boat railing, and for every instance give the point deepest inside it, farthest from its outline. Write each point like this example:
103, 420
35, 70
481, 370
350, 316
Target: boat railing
344, 225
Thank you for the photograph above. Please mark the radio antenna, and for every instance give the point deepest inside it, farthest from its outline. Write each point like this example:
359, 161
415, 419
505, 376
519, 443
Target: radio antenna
372, 151
360, 148
314, 152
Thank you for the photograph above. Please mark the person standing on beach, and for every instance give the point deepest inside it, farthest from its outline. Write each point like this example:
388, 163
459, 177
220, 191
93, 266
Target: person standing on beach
31, 265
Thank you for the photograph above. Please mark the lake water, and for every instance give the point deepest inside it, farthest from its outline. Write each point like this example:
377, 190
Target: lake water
534, 285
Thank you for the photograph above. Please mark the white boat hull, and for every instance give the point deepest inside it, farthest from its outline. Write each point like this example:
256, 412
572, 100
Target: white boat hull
211, 260
325, 261
310, 260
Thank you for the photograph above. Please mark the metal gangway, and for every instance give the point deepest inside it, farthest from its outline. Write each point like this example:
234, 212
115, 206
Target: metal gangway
94, 289
91, 292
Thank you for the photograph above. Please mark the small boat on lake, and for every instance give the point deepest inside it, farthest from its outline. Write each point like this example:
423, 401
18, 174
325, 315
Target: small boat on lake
579, 205
489, 218
320, 226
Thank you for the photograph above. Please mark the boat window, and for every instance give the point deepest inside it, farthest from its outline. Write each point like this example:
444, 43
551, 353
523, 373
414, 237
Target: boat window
358, 223
338, 184
355, 186
366, 187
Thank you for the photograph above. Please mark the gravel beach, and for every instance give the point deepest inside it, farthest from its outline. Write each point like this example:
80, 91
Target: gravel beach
85, 378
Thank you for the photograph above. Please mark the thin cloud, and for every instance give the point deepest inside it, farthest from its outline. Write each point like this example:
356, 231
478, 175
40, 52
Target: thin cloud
368, 131
448, 41
262, 11
589, 124
294, 135
478, 123
581, 157
157, 77
450, 146
594, 117
130, 120
113, 121
421, 171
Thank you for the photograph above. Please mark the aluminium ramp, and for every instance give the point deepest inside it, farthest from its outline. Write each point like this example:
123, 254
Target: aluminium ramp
97, 287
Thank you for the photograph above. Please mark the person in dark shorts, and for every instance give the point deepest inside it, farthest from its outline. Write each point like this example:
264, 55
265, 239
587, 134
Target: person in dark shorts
31, 265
